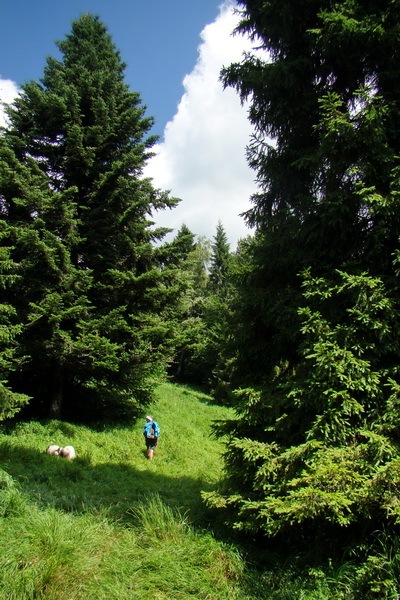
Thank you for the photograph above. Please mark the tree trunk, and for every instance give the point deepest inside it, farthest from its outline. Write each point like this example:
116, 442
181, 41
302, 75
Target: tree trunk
57, 393
180, 362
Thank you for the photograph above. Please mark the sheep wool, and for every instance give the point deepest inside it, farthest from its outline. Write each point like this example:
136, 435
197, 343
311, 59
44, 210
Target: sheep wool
53, 449
68, 452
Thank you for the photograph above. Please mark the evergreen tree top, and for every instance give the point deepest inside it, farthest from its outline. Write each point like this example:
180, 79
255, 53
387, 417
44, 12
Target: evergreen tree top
220, 258
88, 41
77, 220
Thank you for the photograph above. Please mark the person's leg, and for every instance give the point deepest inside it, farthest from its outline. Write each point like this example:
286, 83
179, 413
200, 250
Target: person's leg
148, 447
151, 446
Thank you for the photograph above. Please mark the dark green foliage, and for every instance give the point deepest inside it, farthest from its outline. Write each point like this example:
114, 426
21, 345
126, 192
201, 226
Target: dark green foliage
76, 215
176, 252
315, 445
220, 258
321, 442
189, 326
324, 109
201, 324
10, 402
254, 328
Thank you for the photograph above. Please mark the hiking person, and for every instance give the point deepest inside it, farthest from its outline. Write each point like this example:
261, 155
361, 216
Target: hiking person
151, 432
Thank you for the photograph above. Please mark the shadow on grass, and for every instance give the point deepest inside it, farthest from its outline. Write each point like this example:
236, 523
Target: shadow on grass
199, 393
78, 486
113, 489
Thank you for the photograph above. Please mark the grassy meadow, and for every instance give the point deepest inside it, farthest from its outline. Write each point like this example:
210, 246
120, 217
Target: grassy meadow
111, 525
111, 471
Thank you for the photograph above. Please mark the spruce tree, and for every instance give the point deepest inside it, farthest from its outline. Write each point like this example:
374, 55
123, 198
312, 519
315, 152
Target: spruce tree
316, 321
324, 110
175, 253
10, 401
189, 327
220, 257
77, 212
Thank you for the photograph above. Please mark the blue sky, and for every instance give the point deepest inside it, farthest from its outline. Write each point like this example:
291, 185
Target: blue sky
174, 51
157, 39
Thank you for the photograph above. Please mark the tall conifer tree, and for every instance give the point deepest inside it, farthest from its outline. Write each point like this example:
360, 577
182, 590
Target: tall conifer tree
324, 108
315, 445
175, 253
77, 214
220, 257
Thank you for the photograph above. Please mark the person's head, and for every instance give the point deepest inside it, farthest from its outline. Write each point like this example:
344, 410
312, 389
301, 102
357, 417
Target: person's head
149, 418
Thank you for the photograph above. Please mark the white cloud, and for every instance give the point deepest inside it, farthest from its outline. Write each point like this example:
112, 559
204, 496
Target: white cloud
8, 91
202, 158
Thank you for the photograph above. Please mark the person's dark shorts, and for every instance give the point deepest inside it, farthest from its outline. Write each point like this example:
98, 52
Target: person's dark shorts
151, 443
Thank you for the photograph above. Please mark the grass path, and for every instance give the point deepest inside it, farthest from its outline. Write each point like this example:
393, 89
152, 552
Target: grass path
111, 470
188, 456
111, 525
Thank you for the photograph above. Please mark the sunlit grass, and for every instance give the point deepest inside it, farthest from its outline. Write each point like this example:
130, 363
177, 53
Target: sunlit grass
111, 469
60, 556
111, 524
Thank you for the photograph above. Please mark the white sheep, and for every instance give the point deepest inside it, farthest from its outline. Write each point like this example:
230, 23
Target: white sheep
68, 452
53, 449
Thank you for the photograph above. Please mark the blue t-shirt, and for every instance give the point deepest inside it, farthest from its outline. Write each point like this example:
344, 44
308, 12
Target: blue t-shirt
151, 428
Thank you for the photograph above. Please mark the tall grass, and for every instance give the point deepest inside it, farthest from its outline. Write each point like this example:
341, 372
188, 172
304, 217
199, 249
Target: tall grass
61, 556
113, 526
112, 470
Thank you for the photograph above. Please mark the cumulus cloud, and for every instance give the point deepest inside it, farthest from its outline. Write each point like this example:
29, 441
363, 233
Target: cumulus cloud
202, 157
8, 91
